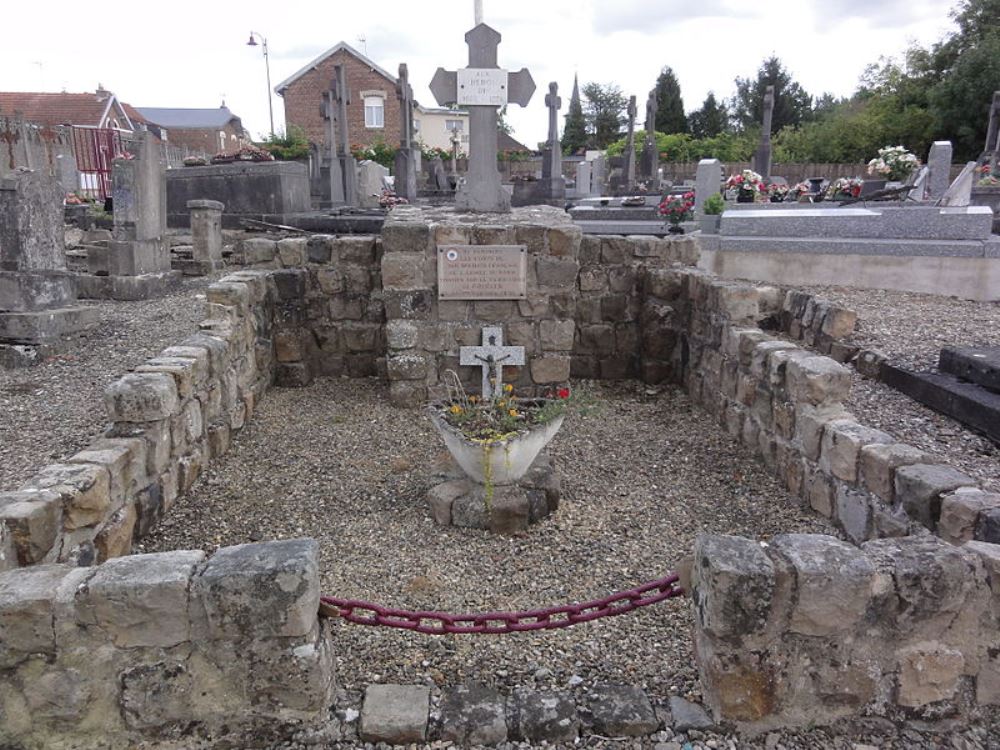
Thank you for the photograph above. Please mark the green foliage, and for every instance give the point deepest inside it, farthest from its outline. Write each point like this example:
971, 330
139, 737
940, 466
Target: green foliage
379, 151
681, 147
604, 112
670, 116
575, 130
502, 125
792, 105
714, 205
711, 120
287, 146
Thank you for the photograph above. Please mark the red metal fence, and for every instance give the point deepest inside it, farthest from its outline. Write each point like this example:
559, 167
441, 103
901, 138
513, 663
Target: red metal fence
95, 148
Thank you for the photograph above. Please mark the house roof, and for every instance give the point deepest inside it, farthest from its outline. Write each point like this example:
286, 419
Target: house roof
280, 88
178, 118
90, 109
508, 143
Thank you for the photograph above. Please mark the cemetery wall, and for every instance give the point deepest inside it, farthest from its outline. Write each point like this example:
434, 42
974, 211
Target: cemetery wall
169, 646
40, 148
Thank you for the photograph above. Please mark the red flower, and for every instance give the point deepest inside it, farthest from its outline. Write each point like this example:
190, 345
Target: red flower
563, 393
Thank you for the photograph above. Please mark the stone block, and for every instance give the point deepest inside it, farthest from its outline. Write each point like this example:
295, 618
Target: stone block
740, 303
292, 251
358, 249
267, 590
473, 715
557, 335
257, 250
402, 271
687, 715
115, 537
593, 279
289, 346
600, 339
85, 490
622, 711
395, 714
810, 424
550, 369
32, 521
142, 398
564, 241
928, 673
920, 487
556, 272
842, 442
853, 511
401, 334
407, 365
141, 600
406, 237
838, 322
537, 716
960, 513
27, 600
879, 463
733, 583
818, 380
154, 696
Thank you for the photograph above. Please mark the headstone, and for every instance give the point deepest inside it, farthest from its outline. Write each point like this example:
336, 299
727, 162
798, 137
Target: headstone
628, 180
482, 88
331, 166
599, 174
341, 96
959, 193
762, 159
649, 165
555, 185
939, 161
708, 180
492, 357
139, 191
371, 181
406, 166
206, 236
438, 177
991, 153
583, 175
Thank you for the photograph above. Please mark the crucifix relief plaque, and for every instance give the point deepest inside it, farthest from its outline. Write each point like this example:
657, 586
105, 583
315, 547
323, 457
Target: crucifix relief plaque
482, 272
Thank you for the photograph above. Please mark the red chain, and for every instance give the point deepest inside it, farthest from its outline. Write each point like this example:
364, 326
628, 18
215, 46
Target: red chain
439, 623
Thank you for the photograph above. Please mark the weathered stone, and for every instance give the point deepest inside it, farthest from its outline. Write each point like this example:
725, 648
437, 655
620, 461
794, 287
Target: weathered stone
395, 714
33, 519
537, 716
402, 271
810, 424
473, 715
26, 611
85, 490
818, 380
401, 334
187, 373
622, 711
987, 527
928, 673
557, 335
407, 365
292, 251
442, 496
833, 583
556, 272
843, 440
156, 695
357, 249
839, 322
879, 463
142, 398
115, 537
960, 513
687, 715
550, 369
919, 488
854, 513
288, 346
733, 582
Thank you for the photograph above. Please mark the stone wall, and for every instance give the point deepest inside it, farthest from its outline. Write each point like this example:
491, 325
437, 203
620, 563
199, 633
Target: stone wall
174, 645
169, 418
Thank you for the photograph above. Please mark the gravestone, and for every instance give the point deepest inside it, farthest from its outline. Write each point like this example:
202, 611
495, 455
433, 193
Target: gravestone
708, 180
482, 88
959, 193
371, 181
492, 356
583, 176
206, 237
331, 169
437, 177
554, 184
406, 165
37, 294
628, 179
599, 174
762, 158
939, 162
649, 165
341, 96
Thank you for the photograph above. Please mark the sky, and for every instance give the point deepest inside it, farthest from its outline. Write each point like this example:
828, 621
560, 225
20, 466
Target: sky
191, 54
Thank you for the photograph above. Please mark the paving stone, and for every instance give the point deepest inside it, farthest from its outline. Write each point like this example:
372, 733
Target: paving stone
473, 715
622, 711
538, 716
395, 714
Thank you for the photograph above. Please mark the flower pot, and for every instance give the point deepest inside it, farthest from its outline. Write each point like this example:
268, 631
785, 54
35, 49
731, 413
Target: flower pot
742, 197
777, 199
675, 229
498, 463
710, 224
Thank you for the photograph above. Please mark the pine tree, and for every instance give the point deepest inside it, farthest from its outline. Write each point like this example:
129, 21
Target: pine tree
709, 121
575, 131
670, 116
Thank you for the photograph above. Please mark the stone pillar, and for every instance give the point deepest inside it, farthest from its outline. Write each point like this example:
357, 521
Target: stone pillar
583, 171
206, 236
939, 161
707, 181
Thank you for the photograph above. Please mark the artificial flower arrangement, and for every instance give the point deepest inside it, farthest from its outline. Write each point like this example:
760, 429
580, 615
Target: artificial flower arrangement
845, 187
677, 208
503, 415
778, 192
893, 163
985, 178
747, 184
799, 189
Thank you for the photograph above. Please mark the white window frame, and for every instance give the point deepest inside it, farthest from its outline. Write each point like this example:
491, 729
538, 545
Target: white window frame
452, 126
375, 112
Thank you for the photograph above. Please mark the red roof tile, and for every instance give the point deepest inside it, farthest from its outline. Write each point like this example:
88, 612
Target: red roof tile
56, 109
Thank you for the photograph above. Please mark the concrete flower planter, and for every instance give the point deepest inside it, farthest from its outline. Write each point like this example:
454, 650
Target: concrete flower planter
502, 462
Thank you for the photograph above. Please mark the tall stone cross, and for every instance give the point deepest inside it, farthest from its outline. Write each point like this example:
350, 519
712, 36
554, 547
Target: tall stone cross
553, 165
992, 150
492, 356
649, 164
762, 159
482, 88
336, 172
630, 145
340, 94
406, 163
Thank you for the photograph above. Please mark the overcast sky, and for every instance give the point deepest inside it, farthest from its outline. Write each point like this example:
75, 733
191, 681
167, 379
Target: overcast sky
188, 54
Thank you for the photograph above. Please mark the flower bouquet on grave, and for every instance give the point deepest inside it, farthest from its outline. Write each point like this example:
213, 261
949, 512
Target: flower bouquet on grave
893, 163
777, 192
747, 185
496, 438
799, 190
677, 208
844, 188
985, 178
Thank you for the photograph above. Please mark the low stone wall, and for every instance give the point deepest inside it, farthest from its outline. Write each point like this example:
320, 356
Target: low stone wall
165, 646
169, 418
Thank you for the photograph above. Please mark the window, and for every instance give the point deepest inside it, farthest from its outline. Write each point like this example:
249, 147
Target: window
374, 112
454, 126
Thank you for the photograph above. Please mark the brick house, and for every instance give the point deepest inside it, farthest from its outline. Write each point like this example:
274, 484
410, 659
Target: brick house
202, 131
99, 109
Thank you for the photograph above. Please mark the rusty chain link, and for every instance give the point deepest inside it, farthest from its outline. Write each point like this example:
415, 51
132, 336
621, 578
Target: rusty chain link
440, 623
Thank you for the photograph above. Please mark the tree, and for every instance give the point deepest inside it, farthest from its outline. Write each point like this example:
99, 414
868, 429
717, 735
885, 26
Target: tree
502, 125
792, 105
711, 120
669, 104
604, 111
575, 131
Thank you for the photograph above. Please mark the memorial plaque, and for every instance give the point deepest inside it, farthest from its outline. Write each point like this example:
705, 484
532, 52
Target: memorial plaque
486, 87
482, 271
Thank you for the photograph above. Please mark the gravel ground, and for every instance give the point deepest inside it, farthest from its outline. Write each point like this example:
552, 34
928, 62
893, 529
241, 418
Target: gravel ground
52, 410
911, 329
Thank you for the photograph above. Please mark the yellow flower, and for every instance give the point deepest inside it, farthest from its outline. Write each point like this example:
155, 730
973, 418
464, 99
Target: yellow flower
474, 399
508, 388
513, 412
502, 403
455, 409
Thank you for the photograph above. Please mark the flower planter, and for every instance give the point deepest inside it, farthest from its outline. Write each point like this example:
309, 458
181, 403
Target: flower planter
745, 197
501, 462
675, 229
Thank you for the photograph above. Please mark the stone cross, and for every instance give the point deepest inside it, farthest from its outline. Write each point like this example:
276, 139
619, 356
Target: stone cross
650, 162
340, 94
484, 88
492, 356
336, 172
992, 152
651, 104
553, 161
762, 159
406, 164
629, 181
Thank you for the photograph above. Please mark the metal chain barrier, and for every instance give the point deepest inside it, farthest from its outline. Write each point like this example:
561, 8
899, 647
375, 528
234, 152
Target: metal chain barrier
551, 618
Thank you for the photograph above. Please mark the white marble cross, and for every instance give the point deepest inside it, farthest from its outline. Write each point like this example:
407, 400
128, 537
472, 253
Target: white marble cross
492, 356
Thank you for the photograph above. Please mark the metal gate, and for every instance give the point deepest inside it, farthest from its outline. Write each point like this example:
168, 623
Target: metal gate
95, 148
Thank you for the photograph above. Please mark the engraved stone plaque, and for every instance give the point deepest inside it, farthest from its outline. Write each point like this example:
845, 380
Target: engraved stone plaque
482, 87
482, 271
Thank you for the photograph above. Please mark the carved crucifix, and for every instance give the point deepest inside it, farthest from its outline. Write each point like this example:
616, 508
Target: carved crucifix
554, 166
483, 88
492, 356
630, 145
10, 135
340, 94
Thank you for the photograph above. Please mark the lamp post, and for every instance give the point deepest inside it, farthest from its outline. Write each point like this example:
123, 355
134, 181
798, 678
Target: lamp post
267, 67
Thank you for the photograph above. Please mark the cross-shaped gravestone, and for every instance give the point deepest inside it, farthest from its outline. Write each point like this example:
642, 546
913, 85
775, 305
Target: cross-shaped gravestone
552, 171
341, 96
762, 159
406, 163
336, 172
492, 356
992, 152
649, 164
630, 146
482, 88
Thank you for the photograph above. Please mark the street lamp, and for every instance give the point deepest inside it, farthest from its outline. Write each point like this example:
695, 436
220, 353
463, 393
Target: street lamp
267, 66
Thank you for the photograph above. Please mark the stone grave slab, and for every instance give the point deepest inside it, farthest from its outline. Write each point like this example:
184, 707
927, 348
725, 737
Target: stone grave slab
979, 365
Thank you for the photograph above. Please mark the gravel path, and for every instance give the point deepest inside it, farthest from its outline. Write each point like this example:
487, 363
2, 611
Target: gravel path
52, 410
642, 475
